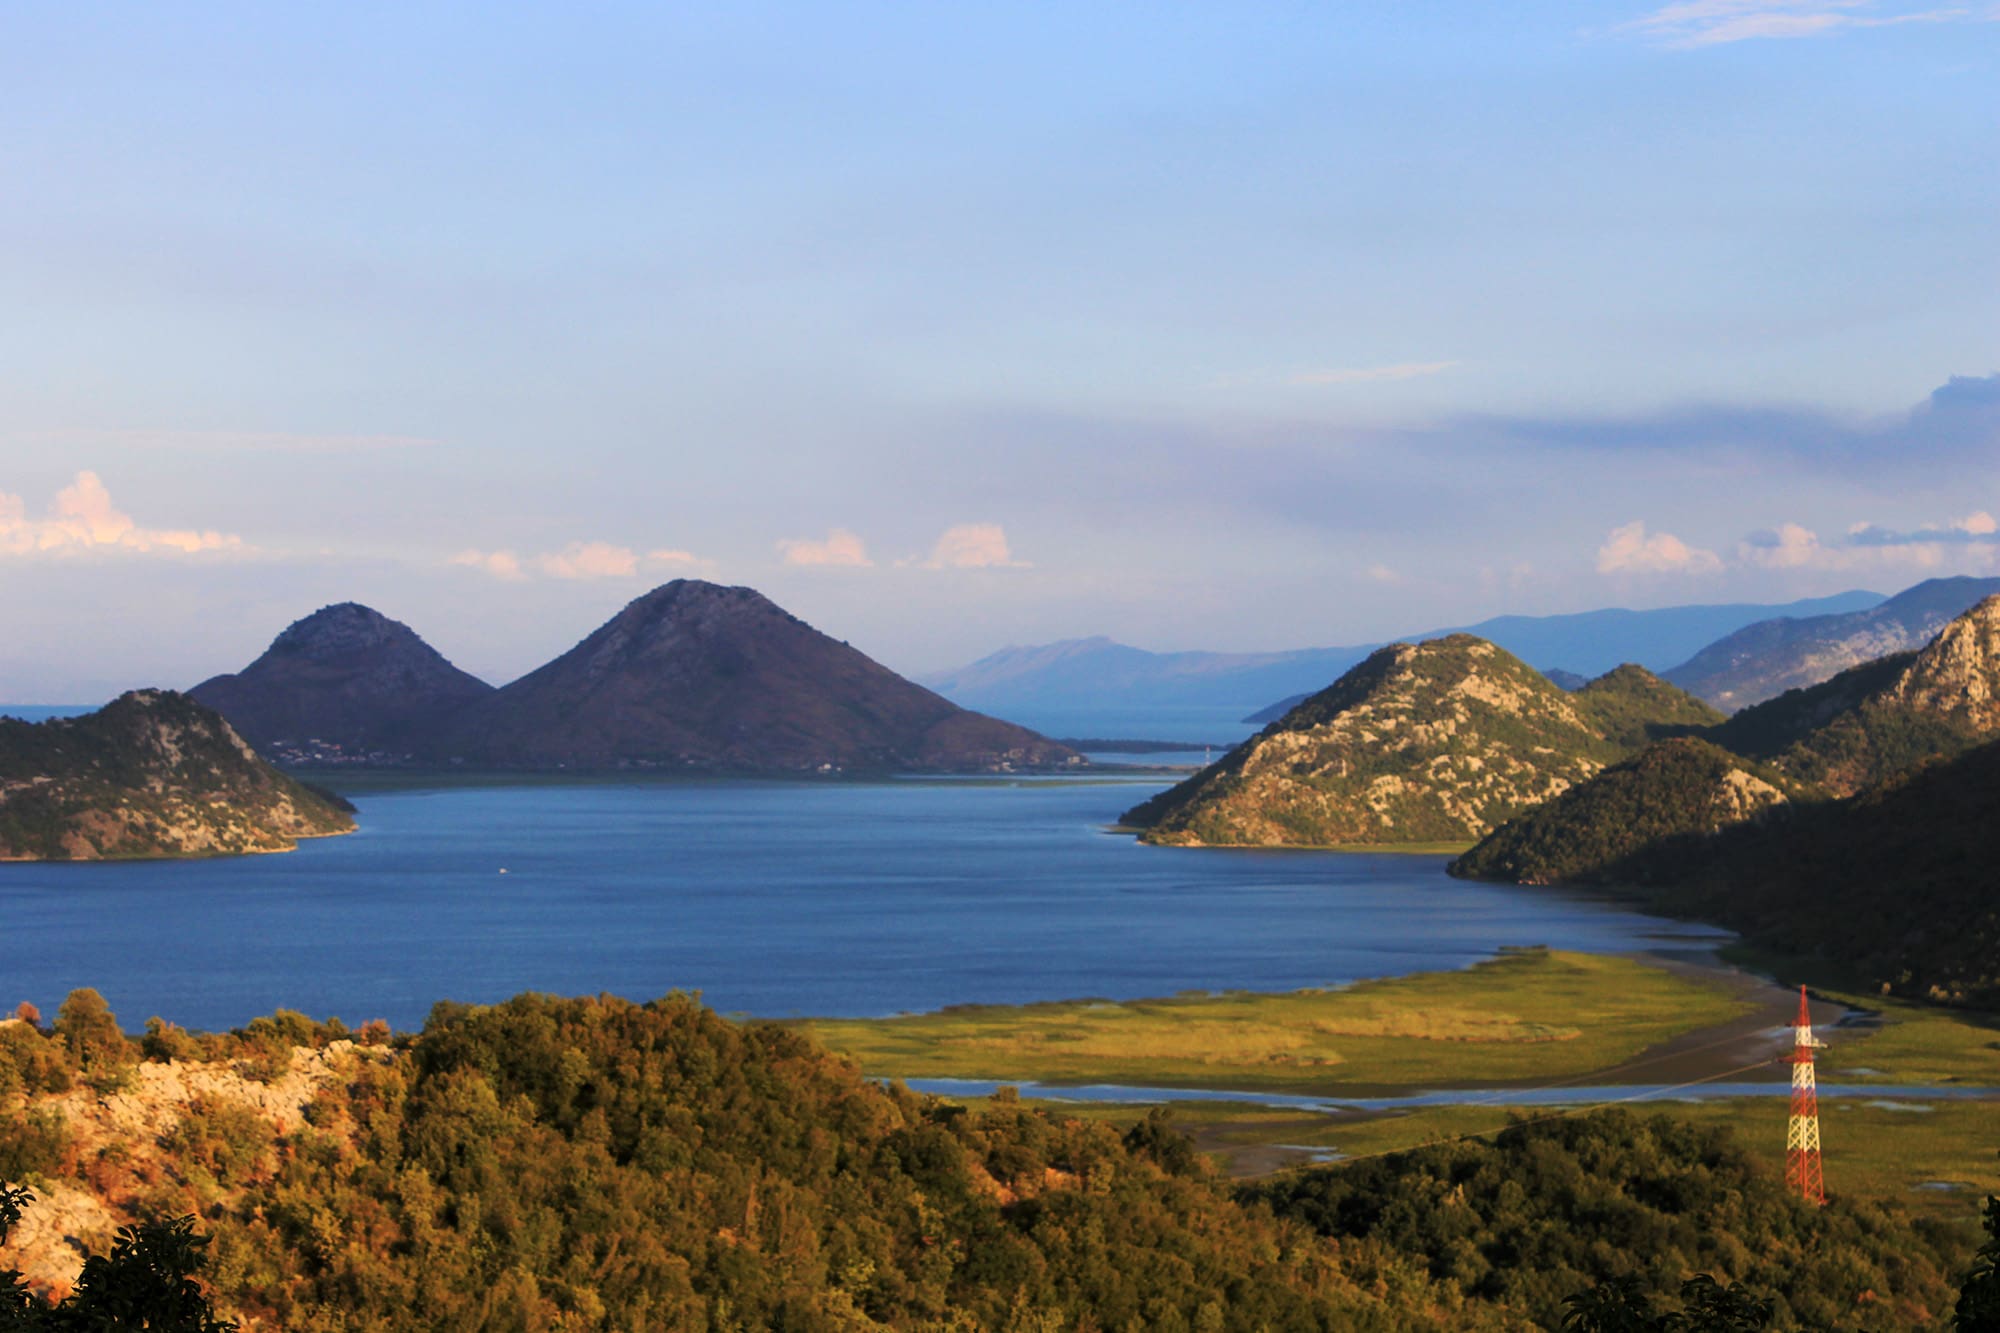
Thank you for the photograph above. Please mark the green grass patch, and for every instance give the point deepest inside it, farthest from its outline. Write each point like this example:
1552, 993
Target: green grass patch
1526, 1016
1916, 1043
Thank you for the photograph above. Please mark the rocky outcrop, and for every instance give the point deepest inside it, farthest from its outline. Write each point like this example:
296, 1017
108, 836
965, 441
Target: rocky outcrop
698, 677
152, 774
1439, 741
343, 683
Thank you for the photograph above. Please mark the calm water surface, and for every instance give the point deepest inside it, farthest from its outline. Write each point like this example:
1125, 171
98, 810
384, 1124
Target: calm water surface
770, 898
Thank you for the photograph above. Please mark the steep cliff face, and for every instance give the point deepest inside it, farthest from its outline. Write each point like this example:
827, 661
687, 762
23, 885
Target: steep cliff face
152, 774
1432, 742
342, 682
1764, 660
694, 676
1873, 722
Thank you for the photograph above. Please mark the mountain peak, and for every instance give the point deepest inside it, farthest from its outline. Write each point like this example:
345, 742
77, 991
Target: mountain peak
333, 631
347, 677
699, 676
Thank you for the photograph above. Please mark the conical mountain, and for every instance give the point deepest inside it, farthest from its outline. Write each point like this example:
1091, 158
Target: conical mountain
695, 676
1872, 722
346, 676
151, 774
1432, 742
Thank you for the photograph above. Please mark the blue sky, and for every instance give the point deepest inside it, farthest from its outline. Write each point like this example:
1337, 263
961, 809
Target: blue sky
1245, 326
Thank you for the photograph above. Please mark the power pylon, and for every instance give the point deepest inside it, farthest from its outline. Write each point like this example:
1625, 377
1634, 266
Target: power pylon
1802, 1169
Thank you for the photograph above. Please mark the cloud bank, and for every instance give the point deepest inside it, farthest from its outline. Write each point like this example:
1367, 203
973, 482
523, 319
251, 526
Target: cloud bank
580, 561
83, 518
1695, 23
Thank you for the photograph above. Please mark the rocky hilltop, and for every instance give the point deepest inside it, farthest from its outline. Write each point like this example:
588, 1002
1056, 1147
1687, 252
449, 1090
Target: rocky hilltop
1874, 721
1432, 742
152, 774
344, 682
1763, 660
695, 676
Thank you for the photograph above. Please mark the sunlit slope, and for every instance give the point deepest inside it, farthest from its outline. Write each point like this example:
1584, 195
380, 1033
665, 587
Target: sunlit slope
1436, 742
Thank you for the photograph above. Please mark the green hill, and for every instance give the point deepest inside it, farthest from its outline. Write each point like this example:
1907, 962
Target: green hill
1433, 742
1557, 1205
599, 1164
1638, 821
151, 774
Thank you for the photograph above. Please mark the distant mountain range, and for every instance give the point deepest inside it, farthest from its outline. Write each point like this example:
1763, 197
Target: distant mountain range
1078, 675
1763, 660
690, 677
151, 774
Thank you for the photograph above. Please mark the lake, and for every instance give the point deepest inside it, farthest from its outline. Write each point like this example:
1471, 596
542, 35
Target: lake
771, 898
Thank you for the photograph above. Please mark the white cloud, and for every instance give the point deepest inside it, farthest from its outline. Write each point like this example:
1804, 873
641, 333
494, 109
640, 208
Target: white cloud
1691, 23
500, 564
667, 560
590, 560
580, 560
973, 546
1408, 370
1631, 550
1381, 573
83, 518
1789, 546
841, 548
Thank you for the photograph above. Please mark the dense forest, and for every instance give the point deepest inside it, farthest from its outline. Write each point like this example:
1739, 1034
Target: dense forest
1551, 1208
594, 1163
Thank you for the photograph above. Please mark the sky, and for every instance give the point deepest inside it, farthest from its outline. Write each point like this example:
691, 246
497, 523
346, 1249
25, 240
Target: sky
1246, 326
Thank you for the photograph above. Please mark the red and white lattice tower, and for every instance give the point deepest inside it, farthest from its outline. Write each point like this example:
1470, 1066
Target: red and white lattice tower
1802, 1171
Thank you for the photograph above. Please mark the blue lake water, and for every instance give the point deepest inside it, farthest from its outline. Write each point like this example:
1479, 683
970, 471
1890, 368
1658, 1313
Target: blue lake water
773, 899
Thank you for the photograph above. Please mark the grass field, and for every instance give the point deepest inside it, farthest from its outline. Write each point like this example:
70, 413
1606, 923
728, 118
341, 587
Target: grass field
1915, 1044
1526, 1016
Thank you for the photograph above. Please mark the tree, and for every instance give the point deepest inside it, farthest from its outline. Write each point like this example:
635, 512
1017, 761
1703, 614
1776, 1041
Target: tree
1978, 1309
147, 1281
90, 1032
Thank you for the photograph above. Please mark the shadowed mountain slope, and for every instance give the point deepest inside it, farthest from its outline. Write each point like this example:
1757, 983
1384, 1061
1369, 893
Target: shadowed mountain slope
695, 676
345, 675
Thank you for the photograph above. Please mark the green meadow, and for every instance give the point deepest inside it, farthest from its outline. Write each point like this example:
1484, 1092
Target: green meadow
1526, 1016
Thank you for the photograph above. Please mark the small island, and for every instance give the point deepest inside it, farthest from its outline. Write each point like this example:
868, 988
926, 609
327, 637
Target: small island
151, 774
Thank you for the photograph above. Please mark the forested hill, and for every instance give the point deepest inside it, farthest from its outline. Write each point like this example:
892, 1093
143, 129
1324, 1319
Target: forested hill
151, 774
593, 1163
1432, 742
